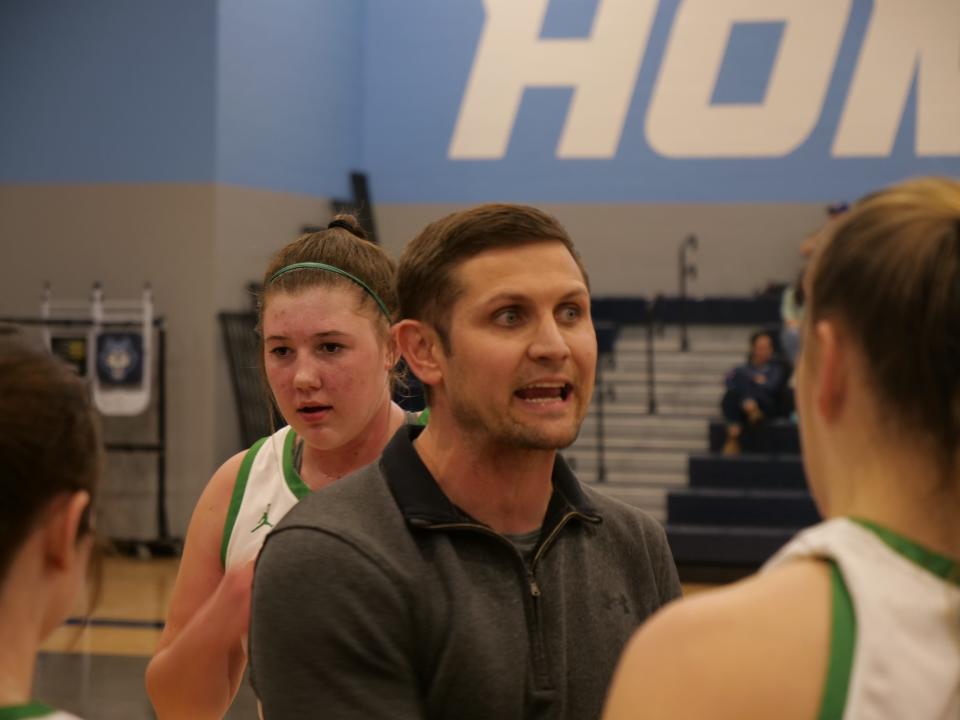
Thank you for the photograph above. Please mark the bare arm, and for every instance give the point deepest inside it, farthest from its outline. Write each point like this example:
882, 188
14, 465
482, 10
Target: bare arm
758, 649
199, 662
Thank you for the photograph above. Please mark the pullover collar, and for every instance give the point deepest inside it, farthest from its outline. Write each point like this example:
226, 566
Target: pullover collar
424, 505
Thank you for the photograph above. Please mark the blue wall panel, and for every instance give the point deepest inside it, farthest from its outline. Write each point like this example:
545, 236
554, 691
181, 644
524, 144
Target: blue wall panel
747, 63
290, 95
290, 100
418, 57
106, 91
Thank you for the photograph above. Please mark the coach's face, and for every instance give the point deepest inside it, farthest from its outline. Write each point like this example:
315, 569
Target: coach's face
523, 351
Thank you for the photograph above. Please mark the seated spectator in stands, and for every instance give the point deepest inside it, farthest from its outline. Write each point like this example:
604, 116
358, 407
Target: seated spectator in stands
754, 391
858, 616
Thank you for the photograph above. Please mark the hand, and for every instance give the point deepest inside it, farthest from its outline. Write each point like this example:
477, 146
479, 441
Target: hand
753, 411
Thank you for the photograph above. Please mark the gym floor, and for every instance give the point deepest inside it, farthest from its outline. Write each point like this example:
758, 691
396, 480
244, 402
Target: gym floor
96, 670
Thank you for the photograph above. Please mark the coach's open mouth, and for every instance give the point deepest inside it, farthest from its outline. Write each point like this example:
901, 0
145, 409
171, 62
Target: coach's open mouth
545, 392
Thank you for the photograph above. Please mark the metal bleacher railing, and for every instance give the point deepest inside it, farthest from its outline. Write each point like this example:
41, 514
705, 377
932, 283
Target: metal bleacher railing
254, 408
652, 438
612, 315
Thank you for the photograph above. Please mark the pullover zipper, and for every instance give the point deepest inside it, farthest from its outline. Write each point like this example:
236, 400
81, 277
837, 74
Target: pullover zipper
541, 669
534, 588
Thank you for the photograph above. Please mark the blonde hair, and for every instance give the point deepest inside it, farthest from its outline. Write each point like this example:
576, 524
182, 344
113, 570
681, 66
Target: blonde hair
891, 271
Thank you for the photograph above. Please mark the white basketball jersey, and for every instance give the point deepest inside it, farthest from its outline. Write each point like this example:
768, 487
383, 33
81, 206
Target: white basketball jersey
34, 711
906, 658
267, 486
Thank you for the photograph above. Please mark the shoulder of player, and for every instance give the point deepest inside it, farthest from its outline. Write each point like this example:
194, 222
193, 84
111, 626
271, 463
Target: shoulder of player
746, 648
217, 494
205, 532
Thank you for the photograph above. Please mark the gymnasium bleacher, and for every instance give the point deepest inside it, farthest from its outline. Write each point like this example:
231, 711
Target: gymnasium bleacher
653, 435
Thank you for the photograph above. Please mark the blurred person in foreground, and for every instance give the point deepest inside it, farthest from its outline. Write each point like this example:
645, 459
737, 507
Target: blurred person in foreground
859, 616
467, 574
50, 464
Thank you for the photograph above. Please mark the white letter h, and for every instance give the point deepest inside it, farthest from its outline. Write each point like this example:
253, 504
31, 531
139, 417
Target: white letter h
511, 56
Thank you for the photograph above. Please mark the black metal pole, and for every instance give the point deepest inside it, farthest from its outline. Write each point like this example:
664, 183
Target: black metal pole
651, 377
163, 528
684, 340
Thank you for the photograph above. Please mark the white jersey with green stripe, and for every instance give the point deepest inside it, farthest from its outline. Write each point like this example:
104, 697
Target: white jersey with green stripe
34, 711
906, 605
267, 486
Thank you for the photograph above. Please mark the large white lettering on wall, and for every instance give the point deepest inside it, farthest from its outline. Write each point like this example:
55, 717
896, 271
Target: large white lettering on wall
921, 39
682, 122
511, 56
904, 40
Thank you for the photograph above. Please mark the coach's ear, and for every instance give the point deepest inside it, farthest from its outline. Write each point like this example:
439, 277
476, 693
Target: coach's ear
421, 348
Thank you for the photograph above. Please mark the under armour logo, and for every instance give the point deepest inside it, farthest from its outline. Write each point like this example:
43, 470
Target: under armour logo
612, 600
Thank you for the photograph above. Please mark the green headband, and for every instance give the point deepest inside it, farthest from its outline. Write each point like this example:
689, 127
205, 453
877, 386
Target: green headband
333, 269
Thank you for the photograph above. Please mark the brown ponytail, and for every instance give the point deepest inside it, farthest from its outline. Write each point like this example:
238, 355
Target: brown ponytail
348, 223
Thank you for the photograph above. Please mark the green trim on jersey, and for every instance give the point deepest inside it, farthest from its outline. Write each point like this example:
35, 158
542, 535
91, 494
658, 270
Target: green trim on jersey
22, 712
296, 484
940, 565
290, 475
843, 632
424, 417
236, 499
843, 638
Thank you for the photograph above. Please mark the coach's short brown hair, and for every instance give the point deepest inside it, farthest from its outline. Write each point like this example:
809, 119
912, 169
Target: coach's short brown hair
426, 284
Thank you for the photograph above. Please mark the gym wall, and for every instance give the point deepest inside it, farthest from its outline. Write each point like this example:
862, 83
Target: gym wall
182, 142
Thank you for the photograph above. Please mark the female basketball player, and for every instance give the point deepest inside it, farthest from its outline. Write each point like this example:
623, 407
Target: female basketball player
49, 469
328, 359
859, 616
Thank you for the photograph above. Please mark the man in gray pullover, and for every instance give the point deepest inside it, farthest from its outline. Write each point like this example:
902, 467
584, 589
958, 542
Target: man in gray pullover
467, 574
